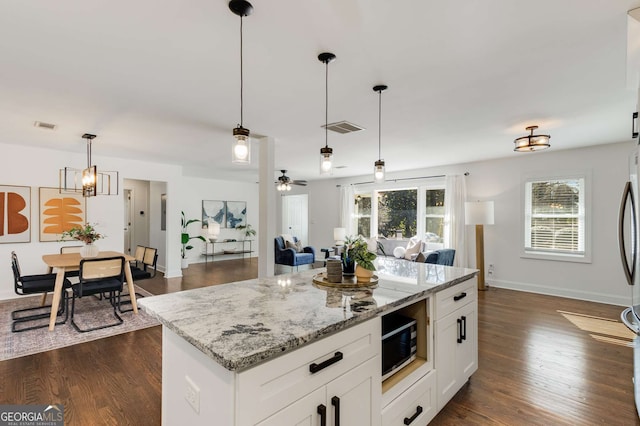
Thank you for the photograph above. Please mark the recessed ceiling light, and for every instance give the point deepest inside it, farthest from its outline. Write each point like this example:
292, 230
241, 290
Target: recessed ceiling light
44, 125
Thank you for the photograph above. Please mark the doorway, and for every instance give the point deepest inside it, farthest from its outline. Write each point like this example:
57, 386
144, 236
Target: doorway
295, 216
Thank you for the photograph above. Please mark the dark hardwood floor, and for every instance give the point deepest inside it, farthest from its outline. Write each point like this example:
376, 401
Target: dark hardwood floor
542, 361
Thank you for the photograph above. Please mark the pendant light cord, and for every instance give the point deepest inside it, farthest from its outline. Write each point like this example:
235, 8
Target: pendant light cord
379, 123
241, 75
89, 153
326, 105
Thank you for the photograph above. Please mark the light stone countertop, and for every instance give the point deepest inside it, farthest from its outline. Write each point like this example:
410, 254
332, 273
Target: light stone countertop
242, 324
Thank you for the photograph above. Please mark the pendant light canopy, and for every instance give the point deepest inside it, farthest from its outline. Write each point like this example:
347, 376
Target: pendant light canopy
532, 142
378, 166
241, 153
326, 153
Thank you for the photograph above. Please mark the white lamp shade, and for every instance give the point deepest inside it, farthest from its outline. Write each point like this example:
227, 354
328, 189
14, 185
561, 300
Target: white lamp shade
478, 213
339, 234
214, 229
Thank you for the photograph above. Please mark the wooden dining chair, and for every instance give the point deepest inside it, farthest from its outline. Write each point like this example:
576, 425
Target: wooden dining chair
25, 285
70, 249
99, 276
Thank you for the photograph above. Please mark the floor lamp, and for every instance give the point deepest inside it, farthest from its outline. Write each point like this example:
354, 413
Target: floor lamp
479, 214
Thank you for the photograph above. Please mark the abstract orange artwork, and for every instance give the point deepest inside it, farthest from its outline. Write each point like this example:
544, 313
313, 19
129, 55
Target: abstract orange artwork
59, 213
15, 214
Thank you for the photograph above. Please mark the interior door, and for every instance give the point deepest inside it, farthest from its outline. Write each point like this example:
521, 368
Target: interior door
128, 221
295, 216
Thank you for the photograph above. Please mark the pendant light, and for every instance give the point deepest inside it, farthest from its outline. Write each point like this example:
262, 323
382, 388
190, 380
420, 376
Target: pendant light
378, 166
89, 182
532, 142
241, 153
326, 153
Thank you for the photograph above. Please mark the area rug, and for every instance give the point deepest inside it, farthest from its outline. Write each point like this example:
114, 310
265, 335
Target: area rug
89, 309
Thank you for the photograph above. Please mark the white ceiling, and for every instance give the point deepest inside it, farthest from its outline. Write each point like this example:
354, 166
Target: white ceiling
159, 80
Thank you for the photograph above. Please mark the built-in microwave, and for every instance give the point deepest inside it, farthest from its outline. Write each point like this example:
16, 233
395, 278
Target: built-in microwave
398, 343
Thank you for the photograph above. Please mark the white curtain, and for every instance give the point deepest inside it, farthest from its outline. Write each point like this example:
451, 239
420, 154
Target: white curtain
346, 208
455, 237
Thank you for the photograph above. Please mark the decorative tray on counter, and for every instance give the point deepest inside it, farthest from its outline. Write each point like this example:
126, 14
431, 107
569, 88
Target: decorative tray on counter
347, 281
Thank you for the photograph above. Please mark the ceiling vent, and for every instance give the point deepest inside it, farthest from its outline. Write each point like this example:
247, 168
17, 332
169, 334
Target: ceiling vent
43, 125
343, 127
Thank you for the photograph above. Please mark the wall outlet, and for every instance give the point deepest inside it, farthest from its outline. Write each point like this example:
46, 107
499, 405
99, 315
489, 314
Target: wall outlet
192, 394
490, 270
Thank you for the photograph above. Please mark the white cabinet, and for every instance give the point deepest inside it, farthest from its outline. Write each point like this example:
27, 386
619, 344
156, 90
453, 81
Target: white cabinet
416, 406
340, 372
456, 339
351, 399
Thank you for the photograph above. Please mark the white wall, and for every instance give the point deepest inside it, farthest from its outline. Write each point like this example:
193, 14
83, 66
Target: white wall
197, 189
500, 181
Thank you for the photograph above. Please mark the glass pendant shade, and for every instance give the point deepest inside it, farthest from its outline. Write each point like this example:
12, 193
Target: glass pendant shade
89, 181
532, 142
241, 153
378, 171
326, 160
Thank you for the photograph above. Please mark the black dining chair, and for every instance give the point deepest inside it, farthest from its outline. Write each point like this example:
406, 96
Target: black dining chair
99, 276
26, 285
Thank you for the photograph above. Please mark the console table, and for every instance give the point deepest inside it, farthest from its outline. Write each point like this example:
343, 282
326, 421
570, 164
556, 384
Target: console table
233, 248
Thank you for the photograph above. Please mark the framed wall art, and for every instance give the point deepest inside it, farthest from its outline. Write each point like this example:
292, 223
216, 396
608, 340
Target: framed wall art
15, 214
59, 213
236, 213
214, 210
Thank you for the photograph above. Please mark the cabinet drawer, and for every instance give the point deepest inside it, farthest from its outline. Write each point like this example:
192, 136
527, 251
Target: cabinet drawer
452, 298
417, 404
269, 387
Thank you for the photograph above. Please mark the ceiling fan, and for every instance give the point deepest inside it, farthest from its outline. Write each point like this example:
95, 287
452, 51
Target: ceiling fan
284, 182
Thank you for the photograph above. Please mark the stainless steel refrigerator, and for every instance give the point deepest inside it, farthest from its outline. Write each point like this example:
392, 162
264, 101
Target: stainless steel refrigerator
629, 239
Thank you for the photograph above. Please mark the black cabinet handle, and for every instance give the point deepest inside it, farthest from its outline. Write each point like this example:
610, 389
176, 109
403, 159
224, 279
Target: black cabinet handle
322, 410
460, 296
464, 328
409, 420
459, 330
314, 368
634, 125
335, 401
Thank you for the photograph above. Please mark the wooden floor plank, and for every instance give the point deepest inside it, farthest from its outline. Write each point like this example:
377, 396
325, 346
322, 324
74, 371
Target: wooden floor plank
542, 361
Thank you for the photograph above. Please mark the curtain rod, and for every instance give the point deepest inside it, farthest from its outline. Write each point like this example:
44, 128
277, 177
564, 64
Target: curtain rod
403, 179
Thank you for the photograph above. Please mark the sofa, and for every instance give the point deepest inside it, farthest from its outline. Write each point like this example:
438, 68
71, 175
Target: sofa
292, 257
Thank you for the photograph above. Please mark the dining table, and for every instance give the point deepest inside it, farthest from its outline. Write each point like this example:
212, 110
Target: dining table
63, 262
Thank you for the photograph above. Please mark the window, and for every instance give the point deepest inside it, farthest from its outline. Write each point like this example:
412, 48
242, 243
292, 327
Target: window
434, 216
362, 213
555, 219
397, 212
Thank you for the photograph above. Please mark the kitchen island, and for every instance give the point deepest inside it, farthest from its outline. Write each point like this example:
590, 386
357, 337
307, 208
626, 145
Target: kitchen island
280, 350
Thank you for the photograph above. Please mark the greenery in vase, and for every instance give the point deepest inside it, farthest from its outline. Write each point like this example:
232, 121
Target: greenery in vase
357, 248
185, 238
87, 234
248, 230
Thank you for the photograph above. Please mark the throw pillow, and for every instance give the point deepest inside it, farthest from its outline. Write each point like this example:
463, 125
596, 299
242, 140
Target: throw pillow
297, 246
413, 248
287, 237
399, 252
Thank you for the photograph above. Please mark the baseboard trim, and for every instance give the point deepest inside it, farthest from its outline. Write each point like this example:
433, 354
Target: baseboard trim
588, 296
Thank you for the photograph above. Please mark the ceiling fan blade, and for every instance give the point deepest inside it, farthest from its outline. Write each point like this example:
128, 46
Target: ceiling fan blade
299, 182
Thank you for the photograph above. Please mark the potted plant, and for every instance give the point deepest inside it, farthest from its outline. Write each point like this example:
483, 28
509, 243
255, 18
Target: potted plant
348, 262
364, 259
88, 235
248, 230
185, 238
